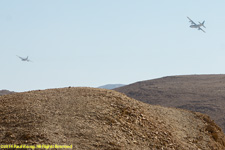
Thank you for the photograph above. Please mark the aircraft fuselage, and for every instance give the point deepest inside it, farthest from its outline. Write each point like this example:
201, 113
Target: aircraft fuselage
195, 26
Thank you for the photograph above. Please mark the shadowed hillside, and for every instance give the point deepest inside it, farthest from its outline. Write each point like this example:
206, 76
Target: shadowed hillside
201, 93
91, 118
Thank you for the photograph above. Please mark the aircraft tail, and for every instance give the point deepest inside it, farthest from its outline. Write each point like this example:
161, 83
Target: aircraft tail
202, 24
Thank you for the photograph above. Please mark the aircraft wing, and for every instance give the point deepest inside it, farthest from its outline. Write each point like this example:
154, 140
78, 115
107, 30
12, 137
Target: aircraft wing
192, 22
201, 29
19, 57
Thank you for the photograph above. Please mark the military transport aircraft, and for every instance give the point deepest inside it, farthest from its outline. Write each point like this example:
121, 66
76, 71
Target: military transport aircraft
24, 59
198, 26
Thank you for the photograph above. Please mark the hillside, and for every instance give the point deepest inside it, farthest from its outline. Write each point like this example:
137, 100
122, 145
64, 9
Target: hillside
92, 119
200, 93
5, 92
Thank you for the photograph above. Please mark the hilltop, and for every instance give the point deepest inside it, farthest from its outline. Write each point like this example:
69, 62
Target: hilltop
199, 93
90, 118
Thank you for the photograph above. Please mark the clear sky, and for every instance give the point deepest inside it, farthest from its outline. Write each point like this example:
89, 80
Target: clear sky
96, 42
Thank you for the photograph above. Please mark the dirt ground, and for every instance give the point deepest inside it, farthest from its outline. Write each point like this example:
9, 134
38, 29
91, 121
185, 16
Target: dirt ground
90, 118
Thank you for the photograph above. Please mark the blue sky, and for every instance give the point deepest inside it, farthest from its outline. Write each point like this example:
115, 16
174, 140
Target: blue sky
96, 42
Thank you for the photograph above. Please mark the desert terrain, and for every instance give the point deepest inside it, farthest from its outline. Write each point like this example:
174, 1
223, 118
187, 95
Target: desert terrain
199, 93
91, 118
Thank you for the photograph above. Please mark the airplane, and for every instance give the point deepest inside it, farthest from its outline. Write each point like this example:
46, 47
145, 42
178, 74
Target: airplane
198, 26
24, 59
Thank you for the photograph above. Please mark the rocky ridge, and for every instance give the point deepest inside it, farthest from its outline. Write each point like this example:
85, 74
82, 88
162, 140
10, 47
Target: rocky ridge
90, 118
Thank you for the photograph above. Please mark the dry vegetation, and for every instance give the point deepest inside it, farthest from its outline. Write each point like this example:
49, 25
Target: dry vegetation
199, 93
91, 118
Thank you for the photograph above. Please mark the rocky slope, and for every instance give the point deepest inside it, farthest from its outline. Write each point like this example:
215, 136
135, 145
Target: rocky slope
200, 93
91, 118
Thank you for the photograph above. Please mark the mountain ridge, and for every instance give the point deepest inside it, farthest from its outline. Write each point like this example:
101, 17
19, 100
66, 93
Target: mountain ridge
5, 92
200, 93
111, 86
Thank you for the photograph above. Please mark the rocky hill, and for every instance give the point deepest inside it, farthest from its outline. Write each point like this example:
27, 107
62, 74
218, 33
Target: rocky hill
200, 93
89, 118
